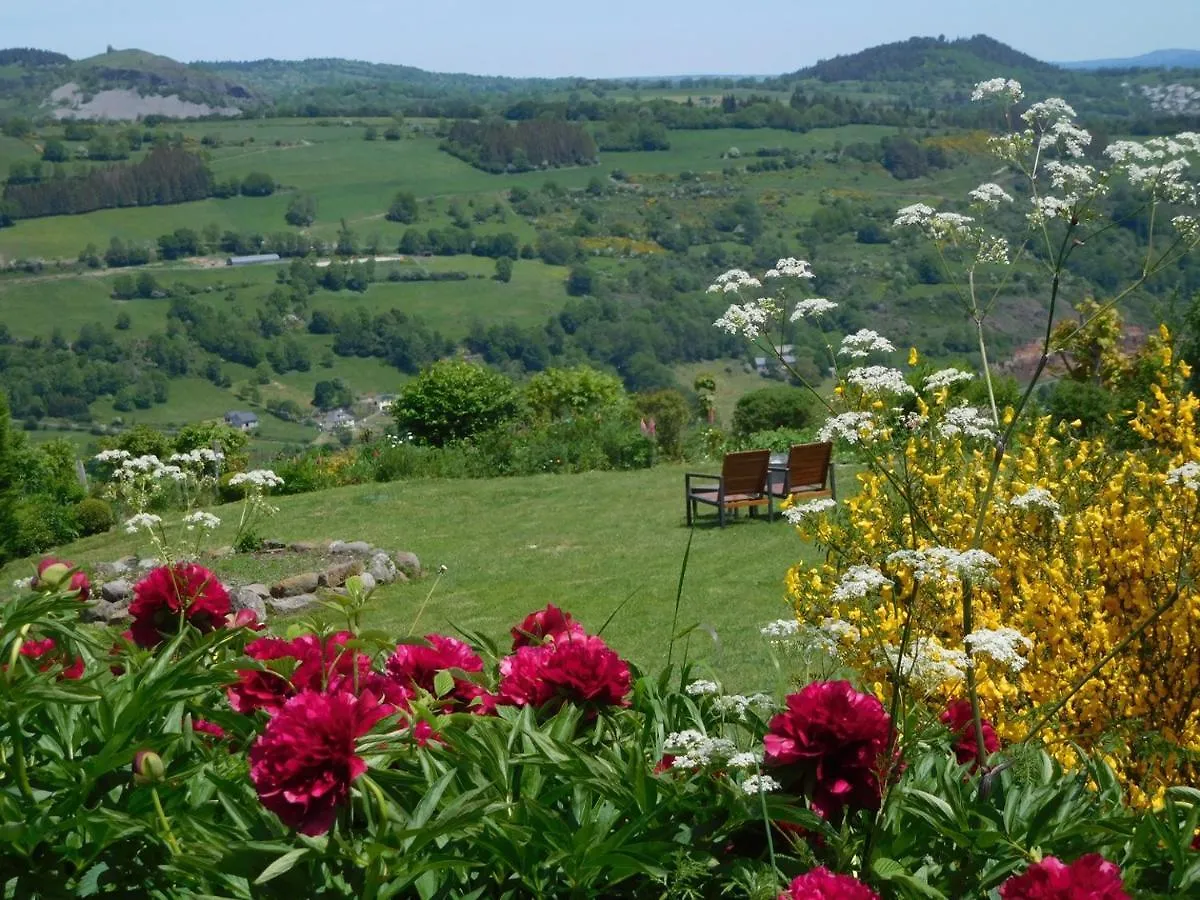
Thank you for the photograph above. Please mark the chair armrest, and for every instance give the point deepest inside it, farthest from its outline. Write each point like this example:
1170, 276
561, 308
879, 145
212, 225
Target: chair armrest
688, 476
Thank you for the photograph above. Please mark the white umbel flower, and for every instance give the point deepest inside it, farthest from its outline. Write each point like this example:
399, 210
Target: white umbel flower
147, 521
1187, 475
1035, 498
259, 478
880, 380
802, 511
701, 687
760, 784
1003, 645
944, 378
202, 520
1003, 88
857, 582
814, 306
863, 343
990, 195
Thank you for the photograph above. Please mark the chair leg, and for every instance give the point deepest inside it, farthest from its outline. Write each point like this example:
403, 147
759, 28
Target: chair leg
689, 509
721, 515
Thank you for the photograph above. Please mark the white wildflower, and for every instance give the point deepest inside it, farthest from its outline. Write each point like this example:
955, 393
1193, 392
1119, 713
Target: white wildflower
1051, 108
993, 250
760, 784
944, 378
694, 749
945, 564
1004, 88
747, 319
915, 216
744, 760
863, 343
990, 195
1073, 139
701, 687
945, 225
1045, 208
780, 628
1003, 645
790, 267
147, 521
259, 478
1125, 152
738, 705
841, 631
851, 427
967, 421
1187, 475
1070, 176
879, 379
23, 584
733, 280
110, 456
926, 664
857, 582
1037, 497
815, 306
1188, 227
202, 520
797, 514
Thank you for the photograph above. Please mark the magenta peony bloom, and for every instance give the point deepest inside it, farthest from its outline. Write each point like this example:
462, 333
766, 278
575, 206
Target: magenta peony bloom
572, 668
303, 763
244, 618
169, 592
52, 576
43, 652
544, 624
414, 666
830, 742
319, 667
203, 726
957, 718
821, 884
1090, 877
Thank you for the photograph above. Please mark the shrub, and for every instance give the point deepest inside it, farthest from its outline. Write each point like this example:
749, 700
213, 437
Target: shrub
665, 414
770, 408
42, 522
564, 393
453, 401
95, 516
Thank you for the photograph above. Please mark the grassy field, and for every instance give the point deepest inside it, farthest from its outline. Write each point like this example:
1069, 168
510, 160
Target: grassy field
591, 543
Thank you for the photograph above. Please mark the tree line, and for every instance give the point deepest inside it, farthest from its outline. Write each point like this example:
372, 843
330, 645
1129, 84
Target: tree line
497, 146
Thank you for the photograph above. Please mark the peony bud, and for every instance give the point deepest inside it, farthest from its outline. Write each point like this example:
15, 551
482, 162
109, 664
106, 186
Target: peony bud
148, 768
52, 577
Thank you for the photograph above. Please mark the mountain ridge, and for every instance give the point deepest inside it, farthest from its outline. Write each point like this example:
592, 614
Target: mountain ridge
1156, 59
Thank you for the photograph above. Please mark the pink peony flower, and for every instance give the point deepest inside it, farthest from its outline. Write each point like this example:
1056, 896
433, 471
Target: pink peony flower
303, 763
1090, 877
544, 624
830, 741
43, 651
821, 884
414, 666
203, 726
52, 576
169, 592
318, 667
572, 668
957, 718
244, 618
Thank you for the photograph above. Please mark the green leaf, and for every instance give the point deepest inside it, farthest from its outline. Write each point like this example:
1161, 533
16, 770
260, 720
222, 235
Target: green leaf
281, 865
443, 683
889, 870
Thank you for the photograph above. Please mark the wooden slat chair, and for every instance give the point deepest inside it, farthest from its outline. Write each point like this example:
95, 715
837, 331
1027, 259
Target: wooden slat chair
742, 483
809, 474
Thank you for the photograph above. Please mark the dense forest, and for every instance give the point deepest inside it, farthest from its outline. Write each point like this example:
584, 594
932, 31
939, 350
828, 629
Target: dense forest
496, 146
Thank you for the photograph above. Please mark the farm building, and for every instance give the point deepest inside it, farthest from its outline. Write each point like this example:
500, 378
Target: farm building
338, 418
252, 260
243, 421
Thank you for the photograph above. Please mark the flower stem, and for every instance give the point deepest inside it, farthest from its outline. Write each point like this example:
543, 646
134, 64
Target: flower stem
166, 825
424, 603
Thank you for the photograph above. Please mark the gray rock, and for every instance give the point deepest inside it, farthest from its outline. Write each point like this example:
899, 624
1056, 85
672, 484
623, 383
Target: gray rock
292, 605
273, 544
261, 589
407, 562
119, 591
296, 585
336, 575
368, 582
245, 598
103, 611
382, 569
219, 552
304, 547
149, 563
356, 548
125, 564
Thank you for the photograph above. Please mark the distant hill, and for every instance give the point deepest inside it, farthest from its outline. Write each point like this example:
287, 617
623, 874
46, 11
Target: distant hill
1157, 59
963, 60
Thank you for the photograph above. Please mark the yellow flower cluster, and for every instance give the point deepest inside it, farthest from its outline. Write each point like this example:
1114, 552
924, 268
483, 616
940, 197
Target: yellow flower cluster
1097, 552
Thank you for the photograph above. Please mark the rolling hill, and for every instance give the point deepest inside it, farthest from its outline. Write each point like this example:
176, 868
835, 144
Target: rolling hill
1156, 59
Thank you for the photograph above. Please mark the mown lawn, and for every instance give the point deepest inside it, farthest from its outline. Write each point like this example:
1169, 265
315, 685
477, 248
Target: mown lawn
596, 544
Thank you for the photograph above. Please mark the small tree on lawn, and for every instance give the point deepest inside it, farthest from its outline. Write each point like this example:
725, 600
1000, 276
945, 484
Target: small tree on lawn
454, 400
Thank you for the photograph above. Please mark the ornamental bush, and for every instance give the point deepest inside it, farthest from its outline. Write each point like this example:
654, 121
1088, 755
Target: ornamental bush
95, 516
454, 400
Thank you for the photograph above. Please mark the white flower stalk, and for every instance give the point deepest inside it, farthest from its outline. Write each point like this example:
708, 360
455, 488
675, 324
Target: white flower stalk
946, 565
993, 250
1187, 475
744, 760
112, 456
142, 521
739, 706
201, 520
1036, 498
1052, 109
967, 421
258, 478
990, 195
852, 427
1050, 207
927, 665
863, 343
733, 280
1002, 645
814, 306
801, 512
702, 687
780, 628
945, 378
760, 784
748, 319
858, 582
1188, 228
915, 216
880, 380
23, 584
1005, 89
695, 750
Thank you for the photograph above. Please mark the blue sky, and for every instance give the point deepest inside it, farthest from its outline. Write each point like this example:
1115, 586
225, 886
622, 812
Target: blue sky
570, 37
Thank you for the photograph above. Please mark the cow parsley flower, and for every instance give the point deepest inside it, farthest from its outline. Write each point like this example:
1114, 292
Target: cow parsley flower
852, 427
760, 784
701, 687
967, 421
1002, 645
945, 225
202, 520
1125, 152
863, 343
926, 664
1187, 475
993, 250
945, 564
1188, 227
857, 582
259, 478
790, 267
797, 514
112, 456
733, 280
1051, 108
780, 628
915, 216
990, 195
694, 749
815, 306
747, 319
744, 760
1046, 208
880, 380
1035, 497
1070, 176
738, 705
148, 521
945, 378
1004, 88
